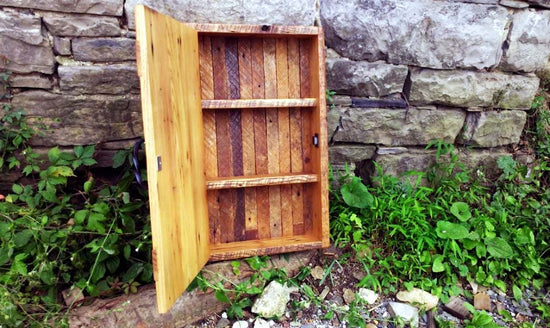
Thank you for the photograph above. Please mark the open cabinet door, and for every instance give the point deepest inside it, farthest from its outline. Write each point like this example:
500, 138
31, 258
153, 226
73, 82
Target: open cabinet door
168, 65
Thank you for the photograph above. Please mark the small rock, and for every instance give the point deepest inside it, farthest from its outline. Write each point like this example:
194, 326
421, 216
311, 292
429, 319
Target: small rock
224, 315
359, 275
324, 293
349, 295
318, 273
240, 324
261, 323
407, 313
370, 325
295, 324
482, 302
368, 295
474, 286
514, 4
72, 295
222, 323
418, 297
500, 306
456, 307
272, 302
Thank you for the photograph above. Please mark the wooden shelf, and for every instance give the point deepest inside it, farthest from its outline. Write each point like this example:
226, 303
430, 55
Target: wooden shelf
241, 249
258, 103
259, 180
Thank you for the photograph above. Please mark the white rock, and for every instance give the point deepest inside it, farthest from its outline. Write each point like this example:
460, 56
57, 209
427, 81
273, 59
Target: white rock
318, 272
407, 313
418, 297
272, 302
261, 323
367, 295
240, 324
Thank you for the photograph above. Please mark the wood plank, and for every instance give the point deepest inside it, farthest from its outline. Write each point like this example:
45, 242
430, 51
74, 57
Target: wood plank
319, 156
258, 103
247, 124
172, 119
227, 198
307, 133
223, 252
235, 132
254, 30
284, 134
260, 137
270, 72
296, 154
259, 180
210, 143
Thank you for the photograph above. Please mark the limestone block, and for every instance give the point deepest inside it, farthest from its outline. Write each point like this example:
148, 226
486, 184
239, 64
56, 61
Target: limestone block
341, 154
433, 34
397, 127
361, 78
492, 129
408, 314
110, 79
412, 160
31, 81
542, 3
104, 49
472, 89
418, 297
100, 7
272, 302
75, 119
529, 42
514, 3
62, 46
81, 25
23, 45
273, 12
485, 2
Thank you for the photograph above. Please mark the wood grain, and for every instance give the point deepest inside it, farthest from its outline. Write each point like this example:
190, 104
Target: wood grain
254, 30
296, 153
210, 143
247, 124
172, 119
270, 72
227, 198
260, 137
258, 103
284, 134
259, 180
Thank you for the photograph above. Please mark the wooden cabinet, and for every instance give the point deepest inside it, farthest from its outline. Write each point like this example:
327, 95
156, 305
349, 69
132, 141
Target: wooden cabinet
235, 127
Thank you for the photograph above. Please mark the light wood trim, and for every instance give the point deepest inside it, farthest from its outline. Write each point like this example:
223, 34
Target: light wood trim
259, 180
258, 103
168, 64
254, 30
222, 252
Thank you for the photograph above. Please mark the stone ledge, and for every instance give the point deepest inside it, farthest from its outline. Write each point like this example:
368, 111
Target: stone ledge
99, 7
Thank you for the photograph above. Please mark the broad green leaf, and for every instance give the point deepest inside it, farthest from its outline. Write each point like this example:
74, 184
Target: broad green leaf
22, 238
5, 255
518, 294
95, 222
112, 264
47, 277
17, 188
119, 158
481, 276
437, 265
499, 248
524, 236
98, 273
449, 230
500, 285
127, 251
221, 296
80, 216
78, 150
53, 155
61, 171
356, 194
88, 151
132, 272
461, 210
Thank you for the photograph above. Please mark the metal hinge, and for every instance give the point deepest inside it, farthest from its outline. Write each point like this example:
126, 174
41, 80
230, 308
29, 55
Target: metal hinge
316, 140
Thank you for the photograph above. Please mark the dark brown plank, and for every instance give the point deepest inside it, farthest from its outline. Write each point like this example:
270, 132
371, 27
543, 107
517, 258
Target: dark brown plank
305, 91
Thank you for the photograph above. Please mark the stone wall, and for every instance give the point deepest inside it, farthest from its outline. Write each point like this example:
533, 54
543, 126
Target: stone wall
405, 72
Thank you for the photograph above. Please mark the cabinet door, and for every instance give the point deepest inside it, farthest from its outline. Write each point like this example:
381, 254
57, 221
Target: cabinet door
168, 65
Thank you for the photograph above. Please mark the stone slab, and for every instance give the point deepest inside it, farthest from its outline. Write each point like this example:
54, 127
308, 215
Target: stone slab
542, 3
340, 154
82, 119
482, 301
81, 25
433, 34
31, 81
62, 46
104, 49
99, 7
273, 12
514, 4
378, 103
395, 127
456, 307
472, 89
493, 129
23, 45
107, 79
529, 42
361, 78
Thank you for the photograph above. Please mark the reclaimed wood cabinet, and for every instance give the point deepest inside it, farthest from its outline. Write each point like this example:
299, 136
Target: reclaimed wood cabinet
235, 128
